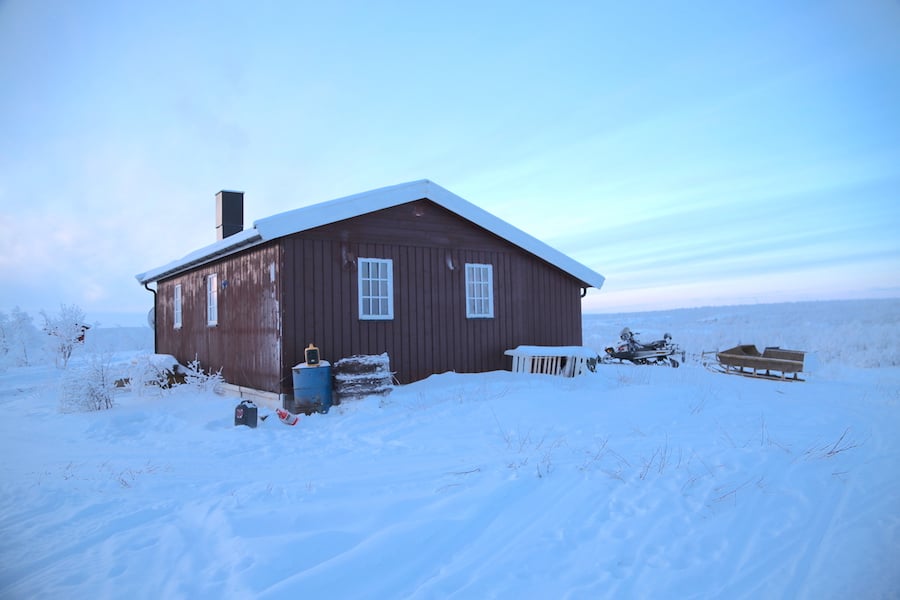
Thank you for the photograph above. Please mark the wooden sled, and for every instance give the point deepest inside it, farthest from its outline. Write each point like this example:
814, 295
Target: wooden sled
773, 363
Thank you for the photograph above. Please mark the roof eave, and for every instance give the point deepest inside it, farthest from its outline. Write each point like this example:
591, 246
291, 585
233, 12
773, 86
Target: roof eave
513, 234
332, 211
230, 245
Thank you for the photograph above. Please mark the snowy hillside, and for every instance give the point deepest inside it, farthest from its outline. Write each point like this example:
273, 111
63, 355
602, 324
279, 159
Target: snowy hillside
629, 482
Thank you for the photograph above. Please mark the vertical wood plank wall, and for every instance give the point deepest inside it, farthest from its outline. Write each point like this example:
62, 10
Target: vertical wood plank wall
246, 341
265, 322
534, 302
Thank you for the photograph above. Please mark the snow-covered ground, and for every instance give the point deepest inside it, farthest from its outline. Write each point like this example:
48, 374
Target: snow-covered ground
631, 482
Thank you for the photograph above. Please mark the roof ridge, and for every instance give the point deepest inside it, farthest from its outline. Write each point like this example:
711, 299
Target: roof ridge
354, 205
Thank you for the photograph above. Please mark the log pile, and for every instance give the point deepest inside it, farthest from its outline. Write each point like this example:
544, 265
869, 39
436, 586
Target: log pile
360, 376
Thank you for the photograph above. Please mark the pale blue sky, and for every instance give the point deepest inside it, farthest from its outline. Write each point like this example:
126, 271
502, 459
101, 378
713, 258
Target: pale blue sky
694, 153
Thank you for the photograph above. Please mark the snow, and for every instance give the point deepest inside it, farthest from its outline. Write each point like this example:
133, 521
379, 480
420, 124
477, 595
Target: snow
224, 247
573, 351
628, 482
332, 211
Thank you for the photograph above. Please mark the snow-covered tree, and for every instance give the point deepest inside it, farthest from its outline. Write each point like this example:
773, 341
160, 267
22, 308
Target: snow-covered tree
4, 338
68, 329
19, 338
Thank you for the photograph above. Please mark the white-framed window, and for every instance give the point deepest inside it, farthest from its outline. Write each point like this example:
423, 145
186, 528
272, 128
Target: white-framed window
212, 299
376, 288
479, 291
177, 304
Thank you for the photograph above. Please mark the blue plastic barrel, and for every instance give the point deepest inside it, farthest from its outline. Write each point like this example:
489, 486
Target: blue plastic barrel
312, 387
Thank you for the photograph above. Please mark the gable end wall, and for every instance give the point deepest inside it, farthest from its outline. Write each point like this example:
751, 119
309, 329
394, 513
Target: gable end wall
534, 302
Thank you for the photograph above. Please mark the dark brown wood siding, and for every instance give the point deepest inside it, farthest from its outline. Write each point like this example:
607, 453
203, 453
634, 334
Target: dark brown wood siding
246, 341
534, 302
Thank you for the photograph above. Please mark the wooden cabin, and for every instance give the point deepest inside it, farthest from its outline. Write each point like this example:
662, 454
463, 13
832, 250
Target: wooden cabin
412, 270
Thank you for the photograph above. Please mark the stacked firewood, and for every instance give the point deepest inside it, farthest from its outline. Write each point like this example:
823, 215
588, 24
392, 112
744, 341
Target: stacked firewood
360, 376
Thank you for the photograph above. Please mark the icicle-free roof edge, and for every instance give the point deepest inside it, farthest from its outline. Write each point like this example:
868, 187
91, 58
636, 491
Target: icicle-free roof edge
324, 213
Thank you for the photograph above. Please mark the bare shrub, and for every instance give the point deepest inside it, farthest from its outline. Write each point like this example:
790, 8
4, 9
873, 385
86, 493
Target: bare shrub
152, 372
202, 380
67, 329
89, 388
830, 450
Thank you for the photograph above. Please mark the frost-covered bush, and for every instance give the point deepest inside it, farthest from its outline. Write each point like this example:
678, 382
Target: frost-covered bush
67, 330
152, 372
90, 387
20, 341
202, 380
161, 373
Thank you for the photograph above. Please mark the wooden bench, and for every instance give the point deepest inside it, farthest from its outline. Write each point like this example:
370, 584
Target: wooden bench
566, 361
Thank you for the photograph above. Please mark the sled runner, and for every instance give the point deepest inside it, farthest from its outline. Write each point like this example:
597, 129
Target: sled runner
773, 363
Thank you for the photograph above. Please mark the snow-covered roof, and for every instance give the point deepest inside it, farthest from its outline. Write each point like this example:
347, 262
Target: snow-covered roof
324, 213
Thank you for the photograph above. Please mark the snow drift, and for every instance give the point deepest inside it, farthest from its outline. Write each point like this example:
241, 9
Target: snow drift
628, 482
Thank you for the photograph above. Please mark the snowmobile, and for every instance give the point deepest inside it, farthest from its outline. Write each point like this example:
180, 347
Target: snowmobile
659, 352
